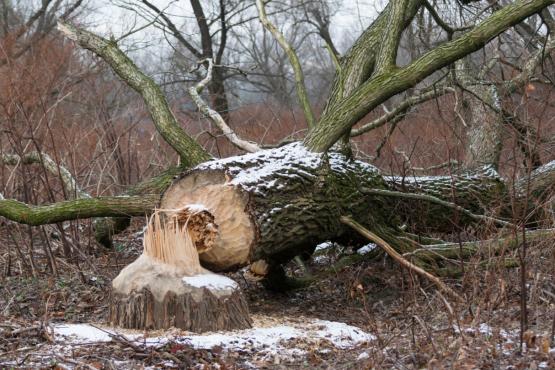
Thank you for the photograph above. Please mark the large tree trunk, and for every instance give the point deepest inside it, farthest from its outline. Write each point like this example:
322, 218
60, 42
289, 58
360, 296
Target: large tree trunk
481, 191
275, 204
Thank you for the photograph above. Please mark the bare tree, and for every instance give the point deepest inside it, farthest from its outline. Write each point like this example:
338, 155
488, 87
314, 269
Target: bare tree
272, 205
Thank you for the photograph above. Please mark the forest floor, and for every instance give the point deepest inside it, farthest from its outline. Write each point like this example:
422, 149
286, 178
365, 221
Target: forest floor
370, 315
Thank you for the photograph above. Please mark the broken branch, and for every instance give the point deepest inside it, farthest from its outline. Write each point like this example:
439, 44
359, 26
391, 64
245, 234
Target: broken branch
399, 258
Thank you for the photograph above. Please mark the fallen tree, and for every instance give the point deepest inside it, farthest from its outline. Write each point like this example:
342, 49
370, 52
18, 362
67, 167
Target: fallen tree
272, 205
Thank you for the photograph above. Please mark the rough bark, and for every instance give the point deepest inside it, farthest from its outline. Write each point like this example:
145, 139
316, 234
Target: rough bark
358, 63
275, 204
199, 310
485, 128
337, 122
287, 200
481, 191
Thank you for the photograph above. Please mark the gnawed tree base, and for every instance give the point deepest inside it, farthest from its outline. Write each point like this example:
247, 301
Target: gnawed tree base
148, 296
166, 286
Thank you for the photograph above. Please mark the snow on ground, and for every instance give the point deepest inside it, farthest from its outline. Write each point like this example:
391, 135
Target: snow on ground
270, 336
367, 248
323, 246
213, 281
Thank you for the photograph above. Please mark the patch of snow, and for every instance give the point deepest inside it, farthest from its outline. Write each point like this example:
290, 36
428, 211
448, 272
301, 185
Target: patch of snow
321, 260
363, 356
323, 246
486, 171
210, 281
196, 207
342, 335
271, 339
255, 337
82, 332
367, 248
485, 329
260, 169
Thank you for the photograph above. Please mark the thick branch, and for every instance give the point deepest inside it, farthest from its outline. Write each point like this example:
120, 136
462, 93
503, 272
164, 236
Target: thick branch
190, 151
293, 59
338, 121
392, 36
358, 63
69, 182
77, 209
214, 116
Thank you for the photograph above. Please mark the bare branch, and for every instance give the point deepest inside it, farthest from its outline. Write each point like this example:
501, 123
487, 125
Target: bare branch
293, 59
190, 151
214, 116
69, 182
436, 200
401, 109
398, 257
173, 28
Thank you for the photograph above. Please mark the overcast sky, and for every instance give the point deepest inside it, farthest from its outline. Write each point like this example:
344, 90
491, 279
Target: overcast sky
351, 18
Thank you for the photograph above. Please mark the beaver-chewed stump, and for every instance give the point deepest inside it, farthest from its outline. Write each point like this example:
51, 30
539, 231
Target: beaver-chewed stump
166, 286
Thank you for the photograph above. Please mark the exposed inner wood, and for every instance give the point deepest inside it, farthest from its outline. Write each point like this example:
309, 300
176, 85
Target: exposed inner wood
227, 204
259, 267
168, 255
166, 286
200, 224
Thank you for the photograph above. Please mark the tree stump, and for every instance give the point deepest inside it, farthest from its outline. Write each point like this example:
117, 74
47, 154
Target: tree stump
166, 286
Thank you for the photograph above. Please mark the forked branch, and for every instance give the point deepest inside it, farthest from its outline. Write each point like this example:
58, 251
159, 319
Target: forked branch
214, 116
338, 121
